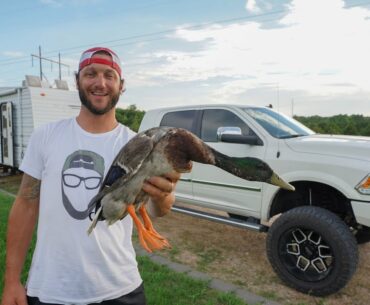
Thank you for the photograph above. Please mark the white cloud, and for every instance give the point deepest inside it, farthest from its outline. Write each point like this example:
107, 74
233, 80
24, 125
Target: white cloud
251, 6
14, 54
320, 43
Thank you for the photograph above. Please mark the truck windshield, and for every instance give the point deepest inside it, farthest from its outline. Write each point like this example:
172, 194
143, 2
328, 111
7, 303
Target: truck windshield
277, 124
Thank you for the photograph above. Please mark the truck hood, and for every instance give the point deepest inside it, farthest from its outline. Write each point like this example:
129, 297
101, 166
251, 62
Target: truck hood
353, 147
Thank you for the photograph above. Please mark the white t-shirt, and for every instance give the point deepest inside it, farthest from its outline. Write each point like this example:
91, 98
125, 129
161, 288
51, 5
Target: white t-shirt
68, 266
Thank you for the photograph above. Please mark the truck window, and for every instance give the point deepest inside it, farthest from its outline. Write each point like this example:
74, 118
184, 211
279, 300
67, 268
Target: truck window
180, 119
215, 118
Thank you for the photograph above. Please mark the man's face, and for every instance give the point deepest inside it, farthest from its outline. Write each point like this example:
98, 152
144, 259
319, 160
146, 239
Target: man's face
99, 86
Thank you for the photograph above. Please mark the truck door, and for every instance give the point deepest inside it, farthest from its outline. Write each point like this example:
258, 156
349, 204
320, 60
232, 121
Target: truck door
217, 188
7, 134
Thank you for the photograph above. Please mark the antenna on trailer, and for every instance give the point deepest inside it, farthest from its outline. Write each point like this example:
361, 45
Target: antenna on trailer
278, 110
60, 64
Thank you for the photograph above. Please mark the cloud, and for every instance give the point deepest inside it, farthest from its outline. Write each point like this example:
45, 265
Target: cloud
257, 6
251, 6
14, 54
318, 43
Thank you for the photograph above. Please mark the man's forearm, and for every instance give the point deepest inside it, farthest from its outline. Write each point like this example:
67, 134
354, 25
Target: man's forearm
21, 224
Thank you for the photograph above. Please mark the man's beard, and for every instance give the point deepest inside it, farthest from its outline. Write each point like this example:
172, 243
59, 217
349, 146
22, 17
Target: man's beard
87, 103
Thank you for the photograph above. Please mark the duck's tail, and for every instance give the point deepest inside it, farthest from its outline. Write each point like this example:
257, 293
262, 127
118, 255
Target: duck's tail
95, 210
95, 221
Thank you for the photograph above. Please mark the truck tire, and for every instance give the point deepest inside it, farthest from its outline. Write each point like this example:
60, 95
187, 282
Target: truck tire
312, 250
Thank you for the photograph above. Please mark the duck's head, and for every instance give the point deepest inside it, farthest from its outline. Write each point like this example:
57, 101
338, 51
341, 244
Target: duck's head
253, 169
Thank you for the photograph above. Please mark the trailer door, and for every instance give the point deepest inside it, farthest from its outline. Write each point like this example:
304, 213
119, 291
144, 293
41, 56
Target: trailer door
7, 134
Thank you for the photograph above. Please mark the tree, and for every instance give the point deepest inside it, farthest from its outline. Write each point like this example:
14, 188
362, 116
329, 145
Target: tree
131, 117
338, 124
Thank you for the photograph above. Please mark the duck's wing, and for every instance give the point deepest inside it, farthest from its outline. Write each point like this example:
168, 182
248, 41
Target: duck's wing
133, 154
129, 159
126, 163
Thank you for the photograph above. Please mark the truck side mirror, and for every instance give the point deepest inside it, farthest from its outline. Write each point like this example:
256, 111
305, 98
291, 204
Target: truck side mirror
234, 135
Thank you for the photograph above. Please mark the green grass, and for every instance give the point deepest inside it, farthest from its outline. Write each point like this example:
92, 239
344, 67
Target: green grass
165, 287
5, 204
162, 285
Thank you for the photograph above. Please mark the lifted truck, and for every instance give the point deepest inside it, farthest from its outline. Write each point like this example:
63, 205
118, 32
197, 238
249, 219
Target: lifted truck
312, 233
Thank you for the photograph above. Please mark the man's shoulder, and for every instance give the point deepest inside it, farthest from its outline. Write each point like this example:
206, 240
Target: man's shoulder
60, 124
125, 129
44, 131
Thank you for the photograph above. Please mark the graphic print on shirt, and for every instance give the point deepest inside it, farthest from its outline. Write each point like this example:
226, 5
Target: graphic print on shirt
82, 175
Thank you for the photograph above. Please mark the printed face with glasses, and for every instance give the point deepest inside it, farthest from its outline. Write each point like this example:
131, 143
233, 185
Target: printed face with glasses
72, 180
80, 185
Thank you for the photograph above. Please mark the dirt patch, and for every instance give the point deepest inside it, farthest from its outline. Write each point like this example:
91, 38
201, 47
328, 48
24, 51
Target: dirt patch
238, 256
10, 183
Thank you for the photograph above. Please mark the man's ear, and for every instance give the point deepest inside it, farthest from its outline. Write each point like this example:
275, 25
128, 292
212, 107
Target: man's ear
122, 86
76, 79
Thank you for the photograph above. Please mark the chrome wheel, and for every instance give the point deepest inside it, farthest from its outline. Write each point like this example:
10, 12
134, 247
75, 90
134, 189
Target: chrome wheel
306, 255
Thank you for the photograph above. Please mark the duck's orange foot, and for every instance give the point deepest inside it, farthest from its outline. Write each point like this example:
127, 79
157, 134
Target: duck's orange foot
149, 226
149, 239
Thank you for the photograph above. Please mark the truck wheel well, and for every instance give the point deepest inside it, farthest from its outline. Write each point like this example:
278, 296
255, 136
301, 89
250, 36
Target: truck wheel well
315, 194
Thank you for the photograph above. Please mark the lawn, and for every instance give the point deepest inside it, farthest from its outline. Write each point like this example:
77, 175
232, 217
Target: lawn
163, 286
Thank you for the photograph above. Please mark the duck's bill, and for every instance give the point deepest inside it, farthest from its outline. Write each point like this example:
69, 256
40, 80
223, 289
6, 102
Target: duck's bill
276, 180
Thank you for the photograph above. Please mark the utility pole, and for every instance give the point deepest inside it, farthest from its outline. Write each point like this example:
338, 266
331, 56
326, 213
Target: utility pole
60, 64
292, 107
60, 69
40, 62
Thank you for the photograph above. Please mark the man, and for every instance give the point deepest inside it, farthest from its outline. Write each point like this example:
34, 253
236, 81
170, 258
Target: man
63, 168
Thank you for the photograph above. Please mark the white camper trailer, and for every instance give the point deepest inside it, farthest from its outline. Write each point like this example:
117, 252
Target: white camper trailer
22, 109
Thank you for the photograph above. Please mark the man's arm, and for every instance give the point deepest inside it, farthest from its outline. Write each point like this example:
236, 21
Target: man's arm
21, 224
161, 192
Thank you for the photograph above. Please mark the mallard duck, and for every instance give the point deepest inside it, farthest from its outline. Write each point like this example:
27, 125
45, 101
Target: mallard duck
156, 152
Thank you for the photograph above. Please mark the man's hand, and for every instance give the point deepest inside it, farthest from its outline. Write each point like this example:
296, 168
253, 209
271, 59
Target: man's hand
161, 192
14, 294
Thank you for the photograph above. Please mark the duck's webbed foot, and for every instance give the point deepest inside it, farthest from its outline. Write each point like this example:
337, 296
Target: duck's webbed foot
149, 226
149, 238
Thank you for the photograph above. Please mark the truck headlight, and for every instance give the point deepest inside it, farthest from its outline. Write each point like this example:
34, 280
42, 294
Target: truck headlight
364, 186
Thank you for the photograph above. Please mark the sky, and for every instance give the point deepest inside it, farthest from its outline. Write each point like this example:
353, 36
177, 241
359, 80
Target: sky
305, 57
